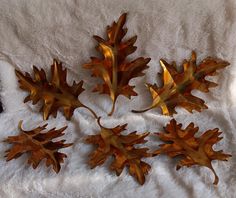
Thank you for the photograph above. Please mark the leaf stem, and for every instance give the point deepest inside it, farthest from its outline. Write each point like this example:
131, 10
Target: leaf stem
113, 108
140, 111
94, 114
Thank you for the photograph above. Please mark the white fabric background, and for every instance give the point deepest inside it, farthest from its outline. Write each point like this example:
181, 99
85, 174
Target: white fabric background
35, 32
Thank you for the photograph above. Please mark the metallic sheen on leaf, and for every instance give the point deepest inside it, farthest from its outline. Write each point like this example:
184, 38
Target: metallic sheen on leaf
39, 145
113, 67
194, 150
55, 93
110, 142
177, 85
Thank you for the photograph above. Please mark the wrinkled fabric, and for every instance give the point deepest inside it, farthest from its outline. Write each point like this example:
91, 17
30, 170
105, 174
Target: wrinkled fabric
35, 32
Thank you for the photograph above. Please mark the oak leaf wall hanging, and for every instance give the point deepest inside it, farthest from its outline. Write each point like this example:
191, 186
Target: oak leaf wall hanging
177, 85
39, 146
116, 72
55, 93
110, 142
194, 150
113, 68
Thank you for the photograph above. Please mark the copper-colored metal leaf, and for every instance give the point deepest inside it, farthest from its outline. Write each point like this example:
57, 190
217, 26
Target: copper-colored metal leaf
113, 67
177, 85
39, 145
110, 142
55, 93
194, 150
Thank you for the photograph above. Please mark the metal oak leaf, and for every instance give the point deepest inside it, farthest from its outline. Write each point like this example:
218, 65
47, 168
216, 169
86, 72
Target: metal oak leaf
194, 150
55, 93
110, 142
177, 85
39, 145
113, 67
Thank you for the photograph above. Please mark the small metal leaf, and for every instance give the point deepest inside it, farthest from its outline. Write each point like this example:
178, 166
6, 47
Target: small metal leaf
193, 150
110, 142
55, 93
39, 146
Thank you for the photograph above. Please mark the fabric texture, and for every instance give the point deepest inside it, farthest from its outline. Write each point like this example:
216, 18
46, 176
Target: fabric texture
35, 32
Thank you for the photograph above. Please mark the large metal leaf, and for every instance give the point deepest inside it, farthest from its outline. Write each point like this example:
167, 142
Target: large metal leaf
177, 85
113, 68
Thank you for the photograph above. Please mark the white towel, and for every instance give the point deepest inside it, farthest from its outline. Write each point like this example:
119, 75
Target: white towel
35, 32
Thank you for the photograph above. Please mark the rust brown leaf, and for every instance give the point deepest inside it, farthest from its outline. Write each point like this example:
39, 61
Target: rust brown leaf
194, 150
55, 93
39, 146
113, 68
110, 142
177, 85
